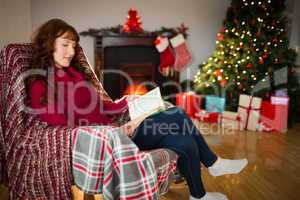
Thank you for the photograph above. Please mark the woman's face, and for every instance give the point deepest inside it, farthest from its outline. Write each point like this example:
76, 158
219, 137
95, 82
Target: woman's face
64, 51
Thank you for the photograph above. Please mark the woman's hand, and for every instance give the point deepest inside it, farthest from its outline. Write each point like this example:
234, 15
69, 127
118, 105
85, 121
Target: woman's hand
130, 126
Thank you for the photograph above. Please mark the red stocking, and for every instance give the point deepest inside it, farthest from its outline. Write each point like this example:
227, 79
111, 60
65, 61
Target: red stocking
167, 58
182, 54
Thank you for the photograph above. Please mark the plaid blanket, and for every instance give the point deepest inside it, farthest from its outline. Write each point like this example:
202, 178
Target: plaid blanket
106, 161
37, 159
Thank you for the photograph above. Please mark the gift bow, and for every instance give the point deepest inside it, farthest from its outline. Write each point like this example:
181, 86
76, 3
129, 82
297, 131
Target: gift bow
238, 118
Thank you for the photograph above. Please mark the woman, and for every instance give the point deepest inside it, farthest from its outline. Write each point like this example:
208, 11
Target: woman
66, 95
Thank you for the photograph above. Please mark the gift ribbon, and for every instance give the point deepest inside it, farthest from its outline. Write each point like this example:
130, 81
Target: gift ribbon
248, 109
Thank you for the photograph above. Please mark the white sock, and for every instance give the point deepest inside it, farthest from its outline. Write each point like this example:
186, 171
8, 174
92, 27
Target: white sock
225, 166
211, 196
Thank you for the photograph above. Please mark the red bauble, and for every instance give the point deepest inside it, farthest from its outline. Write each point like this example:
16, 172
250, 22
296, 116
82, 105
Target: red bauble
218, 72
265, 55
258, 33
235, 21
220, 37
275, 40
261, 60
249, 65
223, 82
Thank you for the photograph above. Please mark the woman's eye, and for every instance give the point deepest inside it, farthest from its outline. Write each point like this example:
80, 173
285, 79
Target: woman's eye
65, 45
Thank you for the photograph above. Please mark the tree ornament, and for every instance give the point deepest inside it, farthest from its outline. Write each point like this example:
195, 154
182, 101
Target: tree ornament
241, 45
258, 33
218, 72
220, 37
261, 60
265, 56
223, 83
249, 65
275, 40
235, 21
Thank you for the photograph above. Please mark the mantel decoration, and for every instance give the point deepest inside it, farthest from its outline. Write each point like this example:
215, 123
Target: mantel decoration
119, 30
133, 23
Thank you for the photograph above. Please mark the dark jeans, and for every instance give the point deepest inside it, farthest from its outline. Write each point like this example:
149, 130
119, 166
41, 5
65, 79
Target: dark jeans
173, 129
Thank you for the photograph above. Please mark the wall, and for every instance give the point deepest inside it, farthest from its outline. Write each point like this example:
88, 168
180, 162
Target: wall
15, 21
204, 18
293, 7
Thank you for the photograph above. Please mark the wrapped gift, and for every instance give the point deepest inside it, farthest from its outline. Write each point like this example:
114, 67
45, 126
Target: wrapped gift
274, 114
249, 111
231, 120
189, 102
214, 104
211, 117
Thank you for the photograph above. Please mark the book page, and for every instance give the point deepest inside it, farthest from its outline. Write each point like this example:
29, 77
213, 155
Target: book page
146, 105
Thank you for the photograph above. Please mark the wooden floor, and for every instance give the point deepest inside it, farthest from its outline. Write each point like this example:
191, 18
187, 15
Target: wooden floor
273, 172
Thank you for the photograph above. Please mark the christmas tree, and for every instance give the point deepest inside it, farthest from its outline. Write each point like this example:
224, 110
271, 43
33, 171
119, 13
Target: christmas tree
133, 24
250, 47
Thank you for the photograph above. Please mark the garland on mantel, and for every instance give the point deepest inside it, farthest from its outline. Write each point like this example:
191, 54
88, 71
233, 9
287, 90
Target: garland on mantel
118, 30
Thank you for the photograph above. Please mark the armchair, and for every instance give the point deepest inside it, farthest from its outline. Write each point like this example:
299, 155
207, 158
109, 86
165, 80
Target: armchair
36, 159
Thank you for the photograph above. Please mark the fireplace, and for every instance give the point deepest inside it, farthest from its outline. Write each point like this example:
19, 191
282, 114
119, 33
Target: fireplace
122, 61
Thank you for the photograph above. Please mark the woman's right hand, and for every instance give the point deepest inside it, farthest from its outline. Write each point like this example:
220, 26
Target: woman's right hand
130, 127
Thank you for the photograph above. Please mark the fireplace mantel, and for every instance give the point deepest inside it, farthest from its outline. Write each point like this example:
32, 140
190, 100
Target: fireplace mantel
114, 51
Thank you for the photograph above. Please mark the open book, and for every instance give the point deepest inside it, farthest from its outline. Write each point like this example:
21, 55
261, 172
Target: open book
146, 105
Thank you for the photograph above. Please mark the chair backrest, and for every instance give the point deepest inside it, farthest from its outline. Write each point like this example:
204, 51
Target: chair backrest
14, 61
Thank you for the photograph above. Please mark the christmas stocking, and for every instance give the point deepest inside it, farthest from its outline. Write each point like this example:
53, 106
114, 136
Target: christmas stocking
167, 57
182, 54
